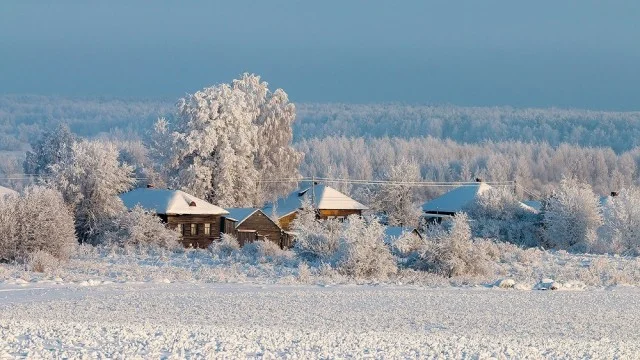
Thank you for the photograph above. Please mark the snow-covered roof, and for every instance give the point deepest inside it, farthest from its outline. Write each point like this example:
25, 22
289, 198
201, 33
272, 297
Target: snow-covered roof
392, 233
6, 191
170, 202
534, 204
240, 214
457, 199
323, 197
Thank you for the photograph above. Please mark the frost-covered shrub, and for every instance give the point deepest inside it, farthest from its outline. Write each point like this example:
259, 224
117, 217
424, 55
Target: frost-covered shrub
37, 220
42, 261
498, 214
140, 228
572, 217
265, 251
226, 246
406, 243
621, 230
315, 239
450, 252
362, 253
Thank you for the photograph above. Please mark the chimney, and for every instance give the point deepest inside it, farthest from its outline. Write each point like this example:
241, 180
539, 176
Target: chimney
478, 179
614, 193
150, 186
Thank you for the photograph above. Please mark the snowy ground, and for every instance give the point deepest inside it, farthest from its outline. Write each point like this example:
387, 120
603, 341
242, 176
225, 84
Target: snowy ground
193, 320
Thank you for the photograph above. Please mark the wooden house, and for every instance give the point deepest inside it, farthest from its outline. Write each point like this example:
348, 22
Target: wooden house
199, 222
251, 224
329, 203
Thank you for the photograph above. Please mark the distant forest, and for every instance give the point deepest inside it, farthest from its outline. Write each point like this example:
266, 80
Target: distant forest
536, 147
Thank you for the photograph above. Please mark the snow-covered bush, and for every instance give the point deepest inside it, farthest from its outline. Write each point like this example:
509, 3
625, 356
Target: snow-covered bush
450, 252
90, 179
315, 239
226, 246
621, 230
140, 228
572, 217
265, 251
37, 220
42, 261
498, 214
362, 253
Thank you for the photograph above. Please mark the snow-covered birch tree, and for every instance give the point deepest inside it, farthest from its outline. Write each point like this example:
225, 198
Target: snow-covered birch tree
226, 138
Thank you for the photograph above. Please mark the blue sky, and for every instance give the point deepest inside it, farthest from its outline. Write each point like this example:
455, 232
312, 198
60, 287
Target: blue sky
583, 54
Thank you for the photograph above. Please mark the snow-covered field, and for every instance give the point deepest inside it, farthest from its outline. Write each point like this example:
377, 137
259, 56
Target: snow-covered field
307, 321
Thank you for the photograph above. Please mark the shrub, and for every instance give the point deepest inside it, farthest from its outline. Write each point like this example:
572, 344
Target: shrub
226, 246
450, 252
140, 228
362, 252
572, 217
42, 261
315, 240
36, 221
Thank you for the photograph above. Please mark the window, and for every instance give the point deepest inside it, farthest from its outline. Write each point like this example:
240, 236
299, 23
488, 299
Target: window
207, 229
194, 229
179, 229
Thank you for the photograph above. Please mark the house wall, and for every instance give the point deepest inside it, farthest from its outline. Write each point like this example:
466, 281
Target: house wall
264, 227
199, 239
285, 221
325, 214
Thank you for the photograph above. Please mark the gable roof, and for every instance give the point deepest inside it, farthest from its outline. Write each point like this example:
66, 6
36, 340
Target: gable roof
324, 198
169, 202
457, 199
392, 233
6, 191
240, 214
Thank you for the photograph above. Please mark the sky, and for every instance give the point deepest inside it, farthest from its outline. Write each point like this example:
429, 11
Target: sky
579, 54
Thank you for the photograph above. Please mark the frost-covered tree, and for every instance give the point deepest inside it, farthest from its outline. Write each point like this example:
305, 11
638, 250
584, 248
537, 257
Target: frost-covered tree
362, 252
498, 214
140, 228
621, 230
398, 201
90, 180
572, 216
49, 150
276, 158
227, 138
37, 220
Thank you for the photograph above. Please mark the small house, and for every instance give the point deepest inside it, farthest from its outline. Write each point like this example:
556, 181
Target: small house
329, 203
198, 221
457, 200
251, 224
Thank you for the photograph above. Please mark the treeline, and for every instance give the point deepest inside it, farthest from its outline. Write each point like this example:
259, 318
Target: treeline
23, 118
538, 167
